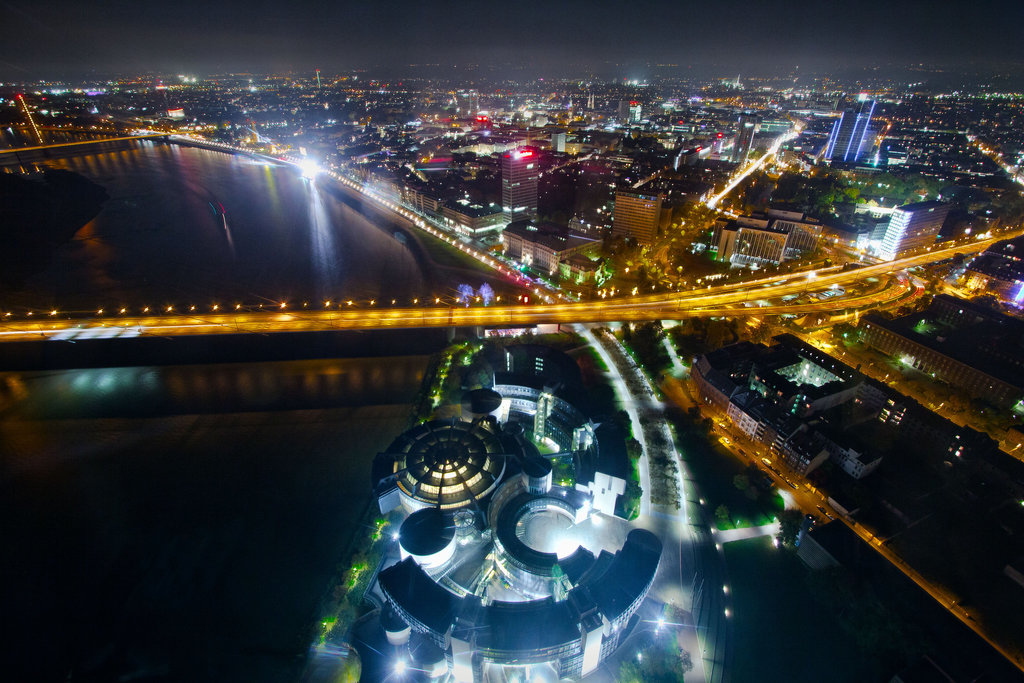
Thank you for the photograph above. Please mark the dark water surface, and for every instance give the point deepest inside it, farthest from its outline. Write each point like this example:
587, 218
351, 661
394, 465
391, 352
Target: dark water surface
192, 226
181, 523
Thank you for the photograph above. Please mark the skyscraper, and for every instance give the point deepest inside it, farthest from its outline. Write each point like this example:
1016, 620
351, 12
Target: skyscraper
911, 227
636, 215
850, 141
746, 128
519, 174
634, 111
623, 111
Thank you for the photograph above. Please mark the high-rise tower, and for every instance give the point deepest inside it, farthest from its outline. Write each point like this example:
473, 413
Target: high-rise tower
912, 227
850, 141
637, 215
746, 128
519, 175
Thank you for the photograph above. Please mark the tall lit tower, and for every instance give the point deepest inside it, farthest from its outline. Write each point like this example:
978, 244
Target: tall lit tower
318, 79
519, 175
849, 141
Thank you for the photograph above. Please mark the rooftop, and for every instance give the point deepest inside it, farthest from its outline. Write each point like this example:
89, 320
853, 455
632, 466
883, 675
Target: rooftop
978, 337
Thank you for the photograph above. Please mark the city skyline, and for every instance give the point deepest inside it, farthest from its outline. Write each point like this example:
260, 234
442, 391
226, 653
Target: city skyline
567, 39
406, 342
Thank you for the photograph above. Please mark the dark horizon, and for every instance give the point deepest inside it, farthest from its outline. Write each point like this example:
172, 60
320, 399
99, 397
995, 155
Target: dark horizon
60, 38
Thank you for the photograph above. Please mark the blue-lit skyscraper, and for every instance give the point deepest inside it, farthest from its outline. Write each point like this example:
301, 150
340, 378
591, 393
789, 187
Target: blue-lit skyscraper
850, 140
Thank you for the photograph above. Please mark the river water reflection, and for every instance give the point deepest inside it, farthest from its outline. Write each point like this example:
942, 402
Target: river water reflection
193, 226
182, 523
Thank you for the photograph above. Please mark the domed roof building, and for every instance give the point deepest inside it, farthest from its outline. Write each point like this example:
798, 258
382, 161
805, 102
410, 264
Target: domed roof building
444, 464
499, 570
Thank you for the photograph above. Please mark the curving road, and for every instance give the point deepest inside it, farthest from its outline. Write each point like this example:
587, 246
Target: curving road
738, 299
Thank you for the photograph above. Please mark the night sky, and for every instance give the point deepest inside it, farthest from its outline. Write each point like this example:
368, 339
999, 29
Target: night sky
71, 37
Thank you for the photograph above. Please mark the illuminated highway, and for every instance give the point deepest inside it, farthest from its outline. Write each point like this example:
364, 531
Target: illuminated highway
741, 176
756, 297
97, 141
739, 299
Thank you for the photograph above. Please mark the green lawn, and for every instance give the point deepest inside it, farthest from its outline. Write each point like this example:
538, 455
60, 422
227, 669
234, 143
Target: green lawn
779, 631
714, 469
444, 254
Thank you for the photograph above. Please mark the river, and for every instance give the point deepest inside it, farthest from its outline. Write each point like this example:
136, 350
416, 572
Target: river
187, 226
182, 523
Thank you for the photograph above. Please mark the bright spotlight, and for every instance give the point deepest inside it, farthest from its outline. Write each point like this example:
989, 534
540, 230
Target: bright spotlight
310, 169
400, 667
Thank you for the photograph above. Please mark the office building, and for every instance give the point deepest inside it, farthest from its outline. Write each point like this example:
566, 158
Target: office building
519, 175
912, 227
636, 216
959, 342
746, 128
622, 113
782, 396
999, 271
558, 142
850, 140
542, 247
472, 220
762, 240
752, 246
634, 112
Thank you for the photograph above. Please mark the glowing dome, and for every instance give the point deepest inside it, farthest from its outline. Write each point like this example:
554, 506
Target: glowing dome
447, 465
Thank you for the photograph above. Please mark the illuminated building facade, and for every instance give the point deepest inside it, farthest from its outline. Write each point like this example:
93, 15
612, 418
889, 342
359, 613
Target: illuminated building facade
634, 111
912, 227
850, 140
637, 216
746, 128
500, 574
519, 175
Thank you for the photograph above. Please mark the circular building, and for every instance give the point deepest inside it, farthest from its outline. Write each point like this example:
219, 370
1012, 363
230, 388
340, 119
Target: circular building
480, 402
396, 630
447, 465
538, 474
428, 537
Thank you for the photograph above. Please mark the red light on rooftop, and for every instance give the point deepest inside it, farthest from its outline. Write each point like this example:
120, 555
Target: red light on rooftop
523, 154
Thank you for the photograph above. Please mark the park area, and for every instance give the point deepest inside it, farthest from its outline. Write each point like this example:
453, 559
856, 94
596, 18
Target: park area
780, 631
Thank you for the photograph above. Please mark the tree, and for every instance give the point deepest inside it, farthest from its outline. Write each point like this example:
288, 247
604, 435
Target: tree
761, 334
633, 448
741, 481
664, 661
789, 526
722, 515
